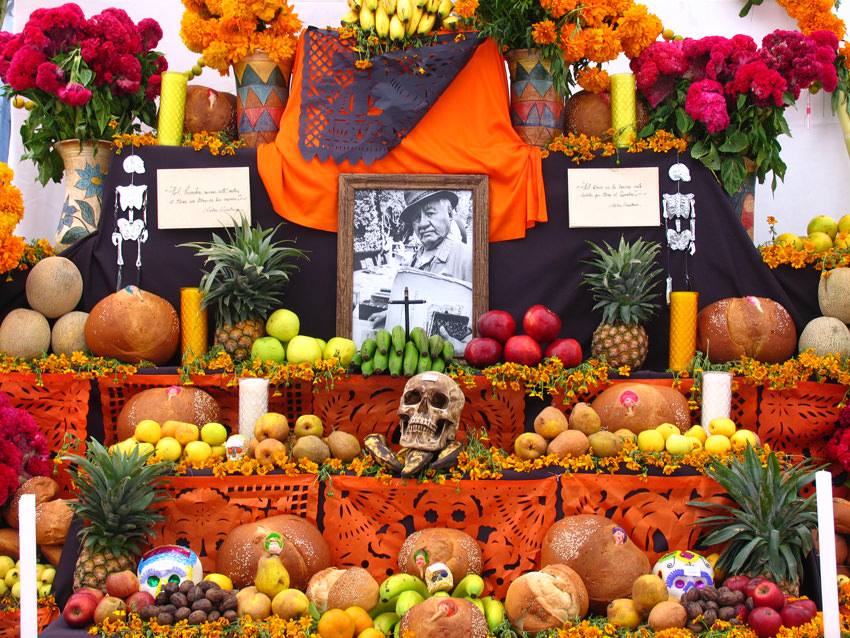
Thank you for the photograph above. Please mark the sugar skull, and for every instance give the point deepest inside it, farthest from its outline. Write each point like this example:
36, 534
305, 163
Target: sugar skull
438, 577
429, 411
168, 563
682, 570
236, 447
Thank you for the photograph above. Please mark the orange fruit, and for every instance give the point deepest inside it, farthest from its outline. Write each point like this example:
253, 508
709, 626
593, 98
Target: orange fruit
371, 632
361, 617
335, 623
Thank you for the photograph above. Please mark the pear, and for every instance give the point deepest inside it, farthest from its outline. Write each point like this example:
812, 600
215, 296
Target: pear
584, 419
604, 443
272, 577
312, 448
344, 446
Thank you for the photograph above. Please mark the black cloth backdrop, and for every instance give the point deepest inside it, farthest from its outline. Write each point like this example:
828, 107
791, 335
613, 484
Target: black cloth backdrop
544, 267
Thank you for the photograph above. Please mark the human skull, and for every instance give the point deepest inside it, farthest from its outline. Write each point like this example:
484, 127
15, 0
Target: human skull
429, 411
438, 577
682, 570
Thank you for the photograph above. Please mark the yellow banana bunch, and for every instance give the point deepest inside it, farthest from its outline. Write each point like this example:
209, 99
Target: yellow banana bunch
410, 27
396, 28
431, 6
354, 4
350, 17
389, 6
404, 10
382, 22
372, 4
445, 8
420, 4
367, 18
450, 23
426, 23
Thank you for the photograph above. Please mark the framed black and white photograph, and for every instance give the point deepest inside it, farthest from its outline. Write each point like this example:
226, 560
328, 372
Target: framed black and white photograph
412, 248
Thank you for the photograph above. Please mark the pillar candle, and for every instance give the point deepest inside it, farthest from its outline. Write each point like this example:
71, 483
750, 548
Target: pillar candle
716, 390
828, 570
172, 108
193, 325
683, 329
623, 108
253, 403
29, 580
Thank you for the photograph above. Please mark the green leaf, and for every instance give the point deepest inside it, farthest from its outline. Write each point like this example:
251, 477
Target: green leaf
74, 234
86, 212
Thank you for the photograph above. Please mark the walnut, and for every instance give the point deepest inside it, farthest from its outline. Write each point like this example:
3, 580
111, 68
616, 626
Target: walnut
709, 593
164, 618
726, 597
197, 617
726, 613
710, 604
694, 609
692, 595
194, 593
709, 617
695, 627
182, 614
230, 615
148, 611
178, 600
203, 605
213, 615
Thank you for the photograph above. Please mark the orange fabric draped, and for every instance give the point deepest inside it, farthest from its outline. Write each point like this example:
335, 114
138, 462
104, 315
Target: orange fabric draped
467, 131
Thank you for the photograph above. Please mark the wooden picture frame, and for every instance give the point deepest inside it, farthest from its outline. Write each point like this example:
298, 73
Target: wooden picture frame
375, 249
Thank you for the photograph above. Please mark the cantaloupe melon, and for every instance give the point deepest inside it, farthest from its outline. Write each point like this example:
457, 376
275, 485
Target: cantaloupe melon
826, 335
54, 286
834, 294
69, 333
24, 333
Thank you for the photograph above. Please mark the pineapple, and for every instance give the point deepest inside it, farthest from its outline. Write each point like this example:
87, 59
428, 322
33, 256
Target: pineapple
769, 529
249, 272
622, 286
116, 493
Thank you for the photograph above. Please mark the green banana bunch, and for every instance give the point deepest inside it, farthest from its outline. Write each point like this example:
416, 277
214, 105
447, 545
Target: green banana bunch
394, 585
367, 349
386, 622
406, 600
494, 612
390, 351
384, 338
470, 586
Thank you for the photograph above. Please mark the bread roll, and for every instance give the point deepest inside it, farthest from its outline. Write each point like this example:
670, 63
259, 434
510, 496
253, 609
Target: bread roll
9, 542
304, 550
52, 553
132, 326
458, 550
210, 110
444, 617
52, 520
755, 327
354, 587
320, 585
565, 539
549, 598
638, 407
175, 403
841, 514
44, 488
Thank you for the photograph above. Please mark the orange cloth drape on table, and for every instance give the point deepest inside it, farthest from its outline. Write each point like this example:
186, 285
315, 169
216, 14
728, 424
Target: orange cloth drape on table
467, 131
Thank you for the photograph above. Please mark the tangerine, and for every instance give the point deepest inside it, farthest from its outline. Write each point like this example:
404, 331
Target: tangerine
336, 623
361, 617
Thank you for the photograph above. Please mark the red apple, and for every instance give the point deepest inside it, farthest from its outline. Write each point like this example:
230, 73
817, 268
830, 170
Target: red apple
741, 611
91, 591
496, 324
139, 599
567, 350
751, 585
122, 584
768, 594
541, 324
79, 610
794, 614
765, 621
524, 350
482, 352
108, 608
736, 583
808, 604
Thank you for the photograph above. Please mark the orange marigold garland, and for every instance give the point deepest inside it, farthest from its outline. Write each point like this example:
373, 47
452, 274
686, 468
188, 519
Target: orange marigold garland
15, 253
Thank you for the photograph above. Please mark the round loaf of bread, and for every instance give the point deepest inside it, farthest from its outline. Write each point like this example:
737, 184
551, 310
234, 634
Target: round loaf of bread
756, 327
334, 588
549, 598
210, 110
173, 403
52, 520
638, 407
458, 550
133, 325
9, 542
444, 617
44, 488
304, 550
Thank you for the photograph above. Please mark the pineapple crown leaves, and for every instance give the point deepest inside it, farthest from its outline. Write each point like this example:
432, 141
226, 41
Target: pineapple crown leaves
248, 273
769, 529
117, 492
622, 280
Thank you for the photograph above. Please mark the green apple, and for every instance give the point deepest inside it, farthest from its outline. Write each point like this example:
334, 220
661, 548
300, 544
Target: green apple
16, 589
214, 434
6, 563
4, 588
283, 324
303, 349
679, 444
44, 589
844, 224
268, 349
340, 347
12, 576
197, 452
322, 343
48, 575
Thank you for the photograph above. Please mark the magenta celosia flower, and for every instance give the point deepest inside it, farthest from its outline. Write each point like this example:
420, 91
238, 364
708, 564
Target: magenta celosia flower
657, 68
151, 34
50, 78
706, 103
74, 94
24, 67
765, 85
129, 76
54, 30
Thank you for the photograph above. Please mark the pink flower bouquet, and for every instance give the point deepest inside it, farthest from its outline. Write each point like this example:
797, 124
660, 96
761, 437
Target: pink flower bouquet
728, 96
86, 79
23, 449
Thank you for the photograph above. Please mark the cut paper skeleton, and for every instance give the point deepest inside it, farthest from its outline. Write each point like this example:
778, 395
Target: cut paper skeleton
132, 200
679, 207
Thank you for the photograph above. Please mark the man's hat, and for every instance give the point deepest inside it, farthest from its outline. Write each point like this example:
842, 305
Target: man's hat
413, 199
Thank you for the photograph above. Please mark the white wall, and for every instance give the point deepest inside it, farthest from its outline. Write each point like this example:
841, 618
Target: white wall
817, 180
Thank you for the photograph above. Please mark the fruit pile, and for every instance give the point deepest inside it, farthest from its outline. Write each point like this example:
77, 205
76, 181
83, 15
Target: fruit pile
392, 352
272, 437
283, 342
90, 605
400, 19
497, 340
177, 440
195, 603
10, 577
822, 232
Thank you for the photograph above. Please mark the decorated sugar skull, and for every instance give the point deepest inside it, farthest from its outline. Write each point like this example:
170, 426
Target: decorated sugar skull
438, 577
168, 563
429, 411
682, 570
236, 447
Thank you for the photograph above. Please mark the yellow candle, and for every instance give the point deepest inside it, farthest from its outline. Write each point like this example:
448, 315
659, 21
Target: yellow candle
623, 114
193, 325
172, 108
683, 329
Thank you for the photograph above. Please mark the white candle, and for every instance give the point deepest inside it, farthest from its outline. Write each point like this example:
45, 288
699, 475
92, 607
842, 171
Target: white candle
29, 592
253, 403
826, 542
716, 393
